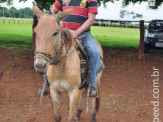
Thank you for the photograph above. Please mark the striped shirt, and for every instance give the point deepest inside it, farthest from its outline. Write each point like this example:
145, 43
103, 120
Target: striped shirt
79, 15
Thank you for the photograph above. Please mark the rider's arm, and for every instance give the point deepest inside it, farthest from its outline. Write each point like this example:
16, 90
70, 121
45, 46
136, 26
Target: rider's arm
54, 10
57, 6
92, 11
85, 26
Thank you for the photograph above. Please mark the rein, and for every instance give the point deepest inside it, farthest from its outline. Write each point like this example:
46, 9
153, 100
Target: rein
55, 52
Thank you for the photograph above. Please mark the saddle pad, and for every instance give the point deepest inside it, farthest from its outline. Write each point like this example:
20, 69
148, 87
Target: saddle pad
83, 64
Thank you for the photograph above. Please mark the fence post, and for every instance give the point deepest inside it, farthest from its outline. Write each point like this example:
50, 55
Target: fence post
126, 24
141, 43
3, 20
109, 23
9, 21
18, 20
14, 20
99, 22
35, 21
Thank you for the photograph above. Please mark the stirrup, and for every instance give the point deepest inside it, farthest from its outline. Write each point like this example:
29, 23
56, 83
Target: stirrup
93, 91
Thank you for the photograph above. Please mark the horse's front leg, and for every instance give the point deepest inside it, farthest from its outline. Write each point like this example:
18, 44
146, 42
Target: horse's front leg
74, 101
55, 96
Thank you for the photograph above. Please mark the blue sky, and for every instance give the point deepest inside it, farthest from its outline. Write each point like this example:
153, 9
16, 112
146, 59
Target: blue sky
112, 10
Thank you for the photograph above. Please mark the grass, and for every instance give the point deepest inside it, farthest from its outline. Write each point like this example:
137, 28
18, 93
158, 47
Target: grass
15, 36
116, 37
19, 36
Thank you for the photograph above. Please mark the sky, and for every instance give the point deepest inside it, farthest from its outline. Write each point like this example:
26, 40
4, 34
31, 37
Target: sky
112, 11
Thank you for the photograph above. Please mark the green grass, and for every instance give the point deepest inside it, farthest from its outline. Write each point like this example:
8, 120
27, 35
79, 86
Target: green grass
15, 36
116, 37
19, 36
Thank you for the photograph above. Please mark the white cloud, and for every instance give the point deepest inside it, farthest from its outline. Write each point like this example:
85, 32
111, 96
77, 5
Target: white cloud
112, 11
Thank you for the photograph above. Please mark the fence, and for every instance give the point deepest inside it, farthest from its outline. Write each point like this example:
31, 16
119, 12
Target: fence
120, 23
15, 21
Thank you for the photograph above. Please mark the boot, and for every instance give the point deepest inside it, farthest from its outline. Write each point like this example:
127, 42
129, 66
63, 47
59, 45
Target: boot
93, 91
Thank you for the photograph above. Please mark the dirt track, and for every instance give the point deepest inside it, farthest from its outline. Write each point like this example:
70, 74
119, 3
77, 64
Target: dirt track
126, 88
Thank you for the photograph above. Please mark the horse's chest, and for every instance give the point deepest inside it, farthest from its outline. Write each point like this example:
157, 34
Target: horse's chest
60, 85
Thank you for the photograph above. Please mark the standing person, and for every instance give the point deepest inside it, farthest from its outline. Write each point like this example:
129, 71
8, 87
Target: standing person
79, 22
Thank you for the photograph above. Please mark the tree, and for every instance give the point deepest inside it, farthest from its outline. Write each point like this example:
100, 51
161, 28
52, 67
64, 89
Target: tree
4, 12
123, 13
137, 16
45, 4
13, 12
133, 15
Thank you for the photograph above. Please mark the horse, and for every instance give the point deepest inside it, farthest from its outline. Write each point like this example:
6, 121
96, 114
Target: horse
58, 58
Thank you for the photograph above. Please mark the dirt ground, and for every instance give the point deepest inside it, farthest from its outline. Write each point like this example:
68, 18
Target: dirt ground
126, 89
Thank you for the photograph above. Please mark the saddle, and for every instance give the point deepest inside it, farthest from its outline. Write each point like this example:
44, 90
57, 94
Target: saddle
84, 60
84, 63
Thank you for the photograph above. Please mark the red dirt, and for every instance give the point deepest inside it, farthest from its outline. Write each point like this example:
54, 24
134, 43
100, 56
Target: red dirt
126, 88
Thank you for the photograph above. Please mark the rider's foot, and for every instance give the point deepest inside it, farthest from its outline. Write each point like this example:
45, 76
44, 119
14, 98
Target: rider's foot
93, 91
46, 91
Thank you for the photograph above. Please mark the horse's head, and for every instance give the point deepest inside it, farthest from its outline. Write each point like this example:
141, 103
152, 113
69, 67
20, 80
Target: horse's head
47, 35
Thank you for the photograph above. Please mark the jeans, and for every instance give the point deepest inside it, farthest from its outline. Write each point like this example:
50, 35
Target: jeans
93, 54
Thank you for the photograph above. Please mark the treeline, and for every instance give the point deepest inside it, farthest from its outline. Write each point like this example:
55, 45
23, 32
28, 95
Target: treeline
16, 13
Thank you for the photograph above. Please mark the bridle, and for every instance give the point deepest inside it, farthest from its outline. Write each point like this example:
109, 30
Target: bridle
49, 57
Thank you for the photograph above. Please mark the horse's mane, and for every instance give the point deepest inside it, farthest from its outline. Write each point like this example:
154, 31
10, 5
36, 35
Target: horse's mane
66, 35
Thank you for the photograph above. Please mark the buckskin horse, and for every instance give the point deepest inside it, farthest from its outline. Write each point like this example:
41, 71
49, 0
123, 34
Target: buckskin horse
63, 75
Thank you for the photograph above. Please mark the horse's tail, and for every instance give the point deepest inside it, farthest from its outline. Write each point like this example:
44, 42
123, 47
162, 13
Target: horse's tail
97, 101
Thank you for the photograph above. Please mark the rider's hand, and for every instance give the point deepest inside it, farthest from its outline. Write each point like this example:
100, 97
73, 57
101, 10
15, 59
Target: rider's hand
74, 33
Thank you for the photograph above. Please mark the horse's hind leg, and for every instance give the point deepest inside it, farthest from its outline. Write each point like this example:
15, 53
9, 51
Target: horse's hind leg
55, 96
80, 107
74, 100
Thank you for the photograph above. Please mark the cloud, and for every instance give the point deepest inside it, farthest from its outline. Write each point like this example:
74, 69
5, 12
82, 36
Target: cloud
112, 11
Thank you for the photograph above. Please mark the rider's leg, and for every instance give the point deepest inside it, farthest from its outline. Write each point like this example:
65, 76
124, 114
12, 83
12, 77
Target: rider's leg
93, 54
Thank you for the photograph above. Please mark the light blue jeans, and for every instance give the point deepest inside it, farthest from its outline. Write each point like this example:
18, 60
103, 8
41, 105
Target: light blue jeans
93, 54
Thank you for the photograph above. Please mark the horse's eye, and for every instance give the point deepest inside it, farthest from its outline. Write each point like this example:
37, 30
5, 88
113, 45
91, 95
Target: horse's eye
54, 34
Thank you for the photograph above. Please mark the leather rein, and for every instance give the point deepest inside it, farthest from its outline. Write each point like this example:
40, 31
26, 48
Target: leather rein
49, 57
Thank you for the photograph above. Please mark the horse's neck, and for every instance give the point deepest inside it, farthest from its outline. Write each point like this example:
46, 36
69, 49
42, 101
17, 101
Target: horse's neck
68, 52
69, 66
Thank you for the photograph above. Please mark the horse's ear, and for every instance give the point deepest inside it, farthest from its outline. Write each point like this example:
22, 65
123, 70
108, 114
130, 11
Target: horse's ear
37, 11
65, 13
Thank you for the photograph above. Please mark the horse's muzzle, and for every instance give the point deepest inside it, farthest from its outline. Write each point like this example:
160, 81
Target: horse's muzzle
40, 65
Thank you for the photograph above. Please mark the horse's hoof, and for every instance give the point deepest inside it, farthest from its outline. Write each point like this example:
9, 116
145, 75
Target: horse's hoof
93, 117
93, 120
78, 115
58, 119
77, 118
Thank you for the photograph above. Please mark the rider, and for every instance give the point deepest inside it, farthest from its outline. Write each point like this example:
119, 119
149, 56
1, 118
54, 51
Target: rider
79, 22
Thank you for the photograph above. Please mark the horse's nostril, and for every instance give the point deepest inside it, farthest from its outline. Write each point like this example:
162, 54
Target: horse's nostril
40, 65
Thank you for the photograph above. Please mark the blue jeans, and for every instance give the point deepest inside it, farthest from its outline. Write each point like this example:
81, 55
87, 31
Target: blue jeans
93, 54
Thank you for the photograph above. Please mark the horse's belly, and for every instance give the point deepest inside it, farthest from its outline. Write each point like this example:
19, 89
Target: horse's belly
61, 85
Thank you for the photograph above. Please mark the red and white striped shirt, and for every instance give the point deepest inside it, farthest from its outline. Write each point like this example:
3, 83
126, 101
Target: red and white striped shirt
79, 15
